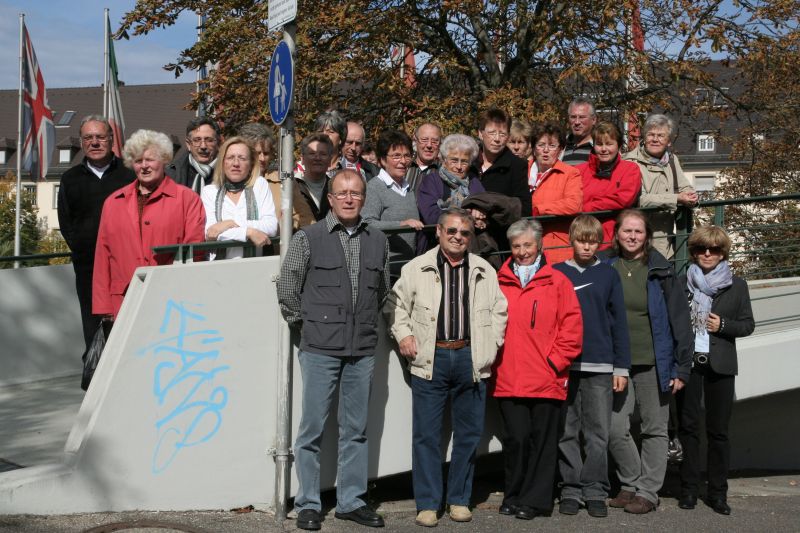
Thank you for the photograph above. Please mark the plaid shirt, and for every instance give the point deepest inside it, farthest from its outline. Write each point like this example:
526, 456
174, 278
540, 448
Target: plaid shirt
295, 267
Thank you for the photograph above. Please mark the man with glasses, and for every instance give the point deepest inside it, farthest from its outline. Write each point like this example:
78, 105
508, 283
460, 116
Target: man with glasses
195, 167
81, 193
582, 119
333, 281
426, 139
459, 320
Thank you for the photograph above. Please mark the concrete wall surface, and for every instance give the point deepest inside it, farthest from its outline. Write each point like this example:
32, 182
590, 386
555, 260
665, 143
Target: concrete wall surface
41, 336
182, 410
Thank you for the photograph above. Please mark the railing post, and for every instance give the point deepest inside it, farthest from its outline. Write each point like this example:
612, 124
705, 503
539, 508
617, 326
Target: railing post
683, 227
719, 215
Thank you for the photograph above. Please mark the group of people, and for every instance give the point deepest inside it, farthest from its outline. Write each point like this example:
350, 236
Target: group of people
582, 322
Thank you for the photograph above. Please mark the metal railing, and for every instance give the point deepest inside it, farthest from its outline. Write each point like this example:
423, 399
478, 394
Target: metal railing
770, 258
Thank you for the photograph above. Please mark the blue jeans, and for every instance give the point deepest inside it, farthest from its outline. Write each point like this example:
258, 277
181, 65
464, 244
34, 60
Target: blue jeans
589, 403
451, 378
321, 374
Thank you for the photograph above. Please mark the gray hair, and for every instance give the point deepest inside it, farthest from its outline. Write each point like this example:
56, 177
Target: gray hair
581, 100
658, 121
458, 143
143, 140
334, 120
256, 132
463, 214
96, 118
523, 226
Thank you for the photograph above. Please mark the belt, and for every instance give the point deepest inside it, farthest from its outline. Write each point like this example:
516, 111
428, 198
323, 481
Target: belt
701, 358
452, 345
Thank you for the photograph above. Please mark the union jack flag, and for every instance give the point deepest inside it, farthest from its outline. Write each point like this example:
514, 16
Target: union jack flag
38, 131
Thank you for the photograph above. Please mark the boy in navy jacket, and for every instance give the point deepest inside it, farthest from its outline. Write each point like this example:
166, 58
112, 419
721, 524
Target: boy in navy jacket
600, 370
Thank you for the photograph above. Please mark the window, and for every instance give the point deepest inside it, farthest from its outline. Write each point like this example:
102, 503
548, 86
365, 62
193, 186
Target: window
65, 119
705, 142
29, 191
64, 155
56, 189
2, 157
704, 182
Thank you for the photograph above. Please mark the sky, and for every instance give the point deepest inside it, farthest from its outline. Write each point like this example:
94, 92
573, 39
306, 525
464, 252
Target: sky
67, 36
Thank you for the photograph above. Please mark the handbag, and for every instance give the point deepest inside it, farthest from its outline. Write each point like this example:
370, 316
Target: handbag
95, 351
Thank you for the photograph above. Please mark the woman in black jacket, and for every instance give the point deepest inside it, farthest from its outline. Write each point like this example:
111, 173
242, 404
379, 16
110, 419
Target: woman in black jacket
721, 312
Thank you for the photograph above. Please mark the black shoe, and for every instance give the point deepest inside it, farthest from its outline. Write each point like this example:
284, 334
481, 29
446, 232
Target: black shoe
309, 519
597, 508
719, 506
526, 513
687, 502
569, 506
363, 515
508, 509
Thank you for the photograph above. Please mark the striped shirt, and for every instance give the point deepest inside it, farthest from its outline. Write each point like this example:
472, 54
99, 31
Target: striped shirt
453, 322
575, 154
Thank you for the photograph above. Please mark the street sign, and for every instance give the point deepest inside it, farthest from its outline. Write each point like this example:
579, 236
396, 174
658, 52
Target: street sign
281, 12
281, 83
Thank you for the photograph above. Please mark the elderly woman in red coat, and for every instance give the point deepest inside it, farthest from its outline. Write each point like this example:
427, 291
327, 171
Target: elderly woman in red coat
151, 211
543, 336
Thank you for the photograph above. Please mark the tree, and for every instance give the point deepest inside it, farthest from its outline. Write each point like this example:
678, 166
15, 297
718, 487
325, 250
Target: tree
30, 231
529, 56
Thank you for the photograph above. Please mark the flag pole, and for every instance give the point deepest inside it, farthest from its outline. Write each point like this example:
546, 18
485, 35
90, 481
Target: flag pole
106, 25
17, 237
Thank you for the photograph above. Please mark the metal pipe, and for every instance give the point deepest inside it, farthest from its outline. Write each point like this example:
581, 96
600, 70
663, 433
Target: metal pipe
283, 430
17, 216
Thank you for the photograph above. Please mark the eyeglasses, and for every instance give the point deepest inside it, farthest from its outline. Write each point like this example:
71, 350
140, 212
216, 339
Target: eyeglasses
496, 134
399, 157
457, 161
234, 158
428, 140
96, 138
198, 141
341, 195
463, 232
658, 136
702, 250
543, 146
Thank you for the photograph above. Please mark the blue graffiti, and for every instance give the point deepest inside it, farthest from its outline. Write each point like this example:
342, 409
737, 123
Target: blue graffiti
186, 369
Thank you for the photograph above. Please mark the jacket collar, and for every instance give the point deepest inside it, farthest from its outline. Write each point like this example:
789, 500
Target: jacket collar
506, 274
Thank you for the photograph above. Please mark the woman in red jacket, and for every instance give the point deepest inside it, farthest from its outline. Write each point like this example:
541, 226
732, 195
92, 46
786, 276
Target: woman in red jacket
151, 211
543, 336
609, 183
556, 189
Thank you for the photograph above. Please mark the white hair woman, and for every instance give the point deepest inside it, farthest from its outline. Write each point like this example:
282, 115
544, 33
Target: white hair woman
664, 184
238, 203
151, 211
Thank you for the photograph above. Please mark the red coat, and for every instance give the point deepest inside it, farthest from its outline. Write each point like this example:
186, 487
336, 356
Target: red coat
560, 193
173, 214
543, 336
619, 191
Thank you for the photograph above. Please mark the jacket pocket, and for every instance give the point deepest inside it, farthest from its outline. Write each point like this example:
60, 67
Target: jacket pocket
324, 327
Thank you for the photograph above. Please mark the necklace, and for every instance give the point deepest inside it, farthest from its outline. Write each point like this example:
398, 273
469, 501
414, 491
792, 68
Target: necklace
623, 262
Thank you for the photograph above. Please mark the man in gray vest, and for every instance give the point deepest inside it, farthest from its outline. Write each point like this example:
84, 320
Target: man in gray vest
333, 282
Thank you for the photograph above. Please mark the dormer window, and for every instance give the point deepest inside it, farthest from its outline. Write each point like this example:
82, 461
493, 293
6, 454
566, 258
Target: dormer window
705, 142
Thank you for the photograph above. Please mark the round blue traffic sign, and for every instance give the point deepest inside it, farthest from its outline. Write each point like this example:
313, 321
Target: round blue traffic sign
281, 83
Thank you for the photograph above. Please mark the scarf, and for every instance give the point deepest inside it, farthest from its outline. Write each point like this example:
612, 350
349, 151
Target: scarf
525, 273
250, 202
231, 186
703, 288
662, 161
459, 189
203, 173
605, 170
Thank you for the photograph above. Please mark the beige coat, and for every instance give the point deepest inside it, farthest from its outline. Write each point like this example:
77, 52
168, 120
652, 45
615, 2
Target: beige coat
412, 308
658, 190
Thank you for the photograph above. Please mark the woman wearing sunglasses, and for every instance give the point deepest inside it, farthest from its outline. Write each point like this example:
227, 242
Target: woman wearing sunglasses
721, 312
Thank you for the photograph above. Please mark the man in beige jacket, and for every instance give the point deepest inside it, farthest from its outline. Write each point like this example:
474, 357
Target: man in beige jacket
449, 316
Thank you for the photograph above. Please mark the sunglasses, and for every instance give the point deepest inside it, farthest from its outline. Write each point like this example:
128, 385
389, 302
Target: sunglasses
713, 250
464, 232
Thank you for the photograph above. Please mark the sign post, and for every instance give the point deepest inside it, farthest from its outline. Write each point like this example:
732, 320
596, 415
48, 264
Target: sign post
281, 92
